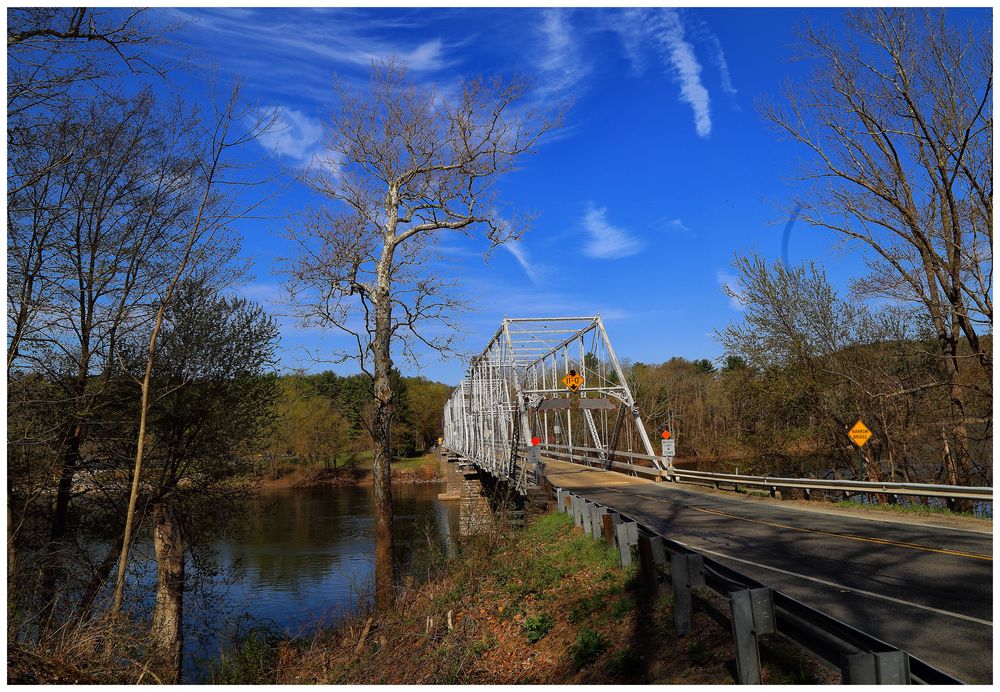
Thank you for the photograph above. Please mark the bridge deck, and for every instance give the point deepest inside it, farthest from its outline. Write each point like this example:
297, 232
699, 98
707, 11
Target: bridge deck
924, 588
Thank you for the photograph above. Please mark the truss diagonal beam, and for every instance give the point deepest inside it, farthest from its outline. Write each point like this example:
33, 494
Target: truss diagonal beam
496, 408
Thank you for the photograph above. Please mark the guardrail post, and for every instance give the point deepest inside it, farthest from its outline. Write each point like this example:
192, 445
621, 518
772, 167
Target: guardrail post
647, 563
597, 520
752, 612
610, 520
628, 537
659, 552
577, 511
588, 529
559, 501
686, 571
881, 668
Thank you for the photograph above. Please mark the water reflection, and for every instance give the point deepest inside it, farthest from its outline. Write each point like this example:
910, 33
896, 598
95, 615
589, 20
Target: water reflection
299, 557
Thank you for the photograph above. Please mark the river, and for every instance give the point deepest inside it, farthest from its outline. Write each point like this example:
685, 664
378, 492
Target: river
298, 558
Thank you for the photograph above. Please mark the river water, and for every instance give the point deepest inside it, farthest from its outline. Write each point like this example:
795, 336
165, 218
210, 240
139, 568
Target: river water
302, 557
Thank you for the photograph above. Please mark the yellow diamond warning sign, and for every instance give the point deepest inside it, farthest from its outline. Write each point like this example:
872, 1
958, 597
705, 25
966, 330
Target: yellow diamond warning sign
859, 434
573, 381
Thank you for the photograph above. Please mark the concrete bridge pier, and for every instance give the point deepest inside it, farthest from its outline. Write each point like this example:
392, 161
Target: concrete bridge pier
483, 499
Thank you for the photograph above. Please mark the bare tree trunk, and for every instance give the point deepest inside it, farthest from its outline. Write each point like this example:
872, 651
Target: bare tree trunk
219, 145
382, 432
11, 552
167, 633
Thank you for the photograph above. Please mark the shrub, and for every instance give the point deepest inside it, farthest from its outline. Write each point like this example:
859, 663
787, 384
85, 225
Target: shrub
537, 626
587, 647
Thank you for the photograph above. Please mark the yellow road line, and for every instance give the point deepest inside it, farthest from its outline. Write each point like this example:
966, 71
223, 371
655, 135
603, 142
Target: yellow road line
851, 536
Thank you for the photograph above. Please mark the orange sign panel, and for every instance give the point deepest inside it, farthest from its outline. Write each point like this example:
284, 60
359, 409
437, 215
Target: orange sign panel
665, 434
573, 381
859, 434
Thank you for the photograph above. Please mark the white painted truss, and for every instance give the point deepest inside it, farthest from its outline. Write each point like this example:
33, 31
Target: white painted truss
516, 390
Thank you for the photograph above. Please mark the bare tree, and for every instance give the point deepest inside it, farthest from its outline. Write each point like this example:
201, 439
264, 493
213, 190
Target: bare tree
899, 119
212, 213
405, 164
54, 53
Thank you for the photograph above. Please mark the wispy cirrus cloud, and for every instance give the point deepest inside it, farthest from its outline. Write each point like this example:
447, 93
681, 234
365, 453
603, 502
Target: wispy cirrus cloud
663, 33
730, 286
293, 135
562, 64
720, 61
520, 253
605, 240
678, 225
668, 30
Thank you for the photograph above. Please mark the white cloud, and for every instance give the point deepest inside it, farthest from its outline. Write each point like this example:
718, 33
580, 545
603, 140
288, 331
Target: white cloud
730, 285
515, 248
668, 30
678, 225
294, 135
606, 241
562, 64
630, 25
720, 59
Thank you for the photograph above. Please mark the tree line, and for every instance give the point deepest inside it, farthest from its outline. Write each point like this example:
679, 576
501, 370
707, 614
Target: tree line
324, 420
140, 385
801, 367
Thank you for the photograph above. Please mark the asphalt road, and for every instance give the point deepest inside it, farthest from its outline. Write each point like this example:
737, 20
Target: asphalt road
923, 588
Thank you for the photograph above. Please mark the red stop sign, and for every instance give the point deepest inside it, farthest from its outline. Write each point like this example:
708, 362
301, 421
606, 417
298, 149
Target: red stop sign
535, 441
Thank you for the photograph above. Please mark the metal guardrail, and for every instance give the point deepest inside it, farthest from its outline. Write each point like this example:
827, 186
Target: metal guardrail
958, 492
755, 609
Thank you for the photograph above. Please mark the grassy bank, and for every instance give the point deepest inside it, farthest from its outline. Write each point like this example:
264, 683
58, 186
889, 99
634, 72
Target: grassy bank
422, 469
544, 604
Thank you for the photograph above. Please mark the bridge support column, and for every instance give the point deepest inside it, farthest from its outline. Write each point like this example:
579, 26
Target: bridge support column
452, 476
474, 514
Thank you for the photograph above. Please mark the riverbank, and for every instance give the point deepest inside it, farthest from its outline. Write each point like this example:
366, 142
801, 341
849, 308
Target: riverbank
543, 605
423, 469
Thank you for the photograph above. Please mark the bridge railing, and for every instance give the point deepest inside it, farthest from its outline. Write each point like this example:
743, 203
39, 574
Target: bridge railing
586, 456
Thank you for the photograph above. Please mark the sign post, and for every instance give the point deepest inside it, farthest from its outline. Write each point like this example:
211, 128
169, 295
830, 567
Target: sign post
669, 450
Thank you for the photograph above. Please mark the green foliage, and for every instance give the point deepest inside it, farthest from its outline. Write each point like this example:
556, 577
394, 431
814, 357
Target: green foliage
537, 626
624, 663
585, 608
622, 607
701, 654
252, 661
337, 409
214, 389
588, 646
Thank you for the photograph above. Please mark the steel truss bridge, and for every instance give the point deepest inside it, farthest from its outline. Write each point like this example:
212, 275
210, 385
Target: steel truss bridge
515, 391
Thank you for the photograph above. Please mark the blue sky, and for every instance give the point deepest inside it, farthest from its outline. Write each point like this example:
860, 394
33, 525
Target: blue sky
663, 171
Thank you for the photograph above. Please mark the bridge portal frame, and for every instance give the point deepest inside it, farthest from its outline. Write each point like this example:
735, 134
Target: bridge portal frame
513, 390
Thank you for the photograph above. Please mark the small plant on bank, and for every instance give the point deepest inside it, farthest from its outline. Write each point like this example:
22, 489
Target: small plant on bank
701, 654
624, 663
537, 626
253, 660
587, 647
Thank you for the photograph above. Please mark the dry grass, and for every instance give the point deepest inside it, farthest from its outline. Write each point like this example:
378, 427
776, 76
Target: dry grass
543, 605
105, 650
